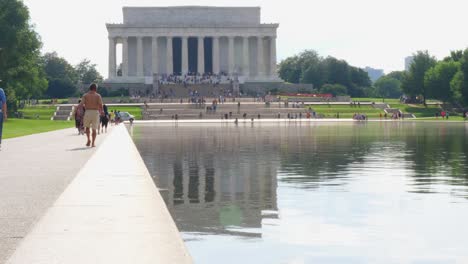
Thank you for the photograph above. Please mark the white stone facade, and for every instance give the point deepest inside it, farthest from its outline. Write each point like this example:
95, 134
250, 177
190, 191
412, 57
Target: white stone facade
181, 40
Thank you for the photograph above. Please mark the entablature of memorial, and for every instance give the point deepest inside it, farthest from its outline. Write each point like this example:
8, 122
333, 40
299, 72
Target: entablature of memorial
126, 31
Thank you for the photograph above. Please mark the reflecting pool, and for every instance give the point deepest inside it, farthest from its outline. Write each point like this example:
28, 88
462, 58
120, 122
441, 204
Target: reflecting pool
387, 192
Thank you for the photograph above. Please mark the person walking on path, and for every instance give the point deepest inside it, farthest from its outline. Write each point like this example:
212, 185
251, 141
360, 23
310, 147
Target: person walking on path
92, 102
104, 119
3, 113
78, 114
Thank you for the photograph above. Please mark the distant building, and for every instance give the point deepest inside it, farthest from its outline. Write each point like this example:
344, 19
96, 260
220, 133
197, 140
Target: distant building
408, 61
374, 74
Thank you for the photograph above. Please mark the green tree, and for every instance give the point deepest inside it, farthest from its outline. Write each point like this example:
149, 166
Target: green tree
396, 75
87, 72
456, 85
413, 80
335, 89
61, 75
309, 67
455, 55
20, 62
437, 80
388, 87
459, 83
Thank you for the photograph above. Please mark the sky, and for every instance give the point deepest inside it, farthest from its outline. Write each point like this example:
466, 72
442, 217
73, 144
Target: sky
375, 33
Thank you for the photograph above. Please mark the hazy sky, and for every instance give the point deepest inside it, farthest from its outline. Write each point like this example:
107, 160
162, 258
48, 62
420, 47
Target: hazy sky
376, 33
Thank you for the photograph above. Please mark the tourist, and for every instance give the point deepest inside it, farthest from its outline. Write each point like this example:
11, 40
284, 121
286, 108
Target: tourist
112, 117
104, 119
3, 113
92, 102
78, 114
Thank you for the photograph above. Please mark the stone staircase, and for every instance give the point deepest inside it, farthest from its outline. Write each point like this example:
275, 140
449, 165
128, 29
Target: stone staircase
231, 110
381, 106
63, 113
180, 91
391, 111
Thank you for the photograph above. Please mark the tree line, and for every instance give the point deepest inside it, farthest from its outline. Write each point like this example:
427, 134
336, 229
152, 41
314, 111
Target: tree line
328, 75
25, 73
427, 78
445, 80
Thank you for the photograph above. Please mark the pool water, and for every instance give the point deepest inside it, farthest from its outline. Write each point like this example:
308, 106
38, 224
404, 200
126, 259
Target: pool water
383, 192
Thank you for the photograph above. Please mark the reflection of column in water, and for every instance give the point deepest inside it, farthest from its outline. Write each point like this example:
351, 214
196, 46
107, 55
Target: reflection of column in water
244, 171
185, 182
209, 184
217, 185
201, 188
193, 182
178, 182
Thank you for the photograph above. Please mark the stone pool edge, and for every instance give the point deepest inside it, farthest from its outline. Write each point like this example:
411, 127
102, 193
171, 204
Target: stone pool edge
111, 212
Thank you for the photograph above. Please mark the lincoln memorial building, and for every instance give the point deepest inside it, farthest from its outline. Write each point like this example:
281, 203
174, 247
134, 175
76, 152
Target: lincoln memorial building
162, 41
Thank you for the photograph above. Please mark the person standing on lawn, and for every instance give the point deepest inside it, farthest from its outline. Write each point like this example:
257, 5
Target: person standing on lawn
92, 102
3, 113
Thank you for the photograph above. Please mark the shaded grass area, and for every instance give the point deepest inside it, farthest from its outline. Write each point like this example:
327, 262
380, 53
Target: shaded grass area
134, 110
41, 112
23, 127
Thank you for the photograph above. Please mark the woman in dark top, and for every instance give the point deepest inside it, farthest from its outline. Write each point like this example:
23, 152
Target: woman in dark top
104, 119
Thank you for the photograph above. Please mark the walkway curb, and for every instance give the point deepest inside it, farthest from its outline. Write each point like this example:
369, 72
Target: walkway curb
110, 213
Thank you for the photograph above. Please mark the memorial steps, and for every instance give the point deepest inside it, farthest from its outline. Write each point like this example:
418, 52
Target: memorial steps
182, 91
63, 113
232, 110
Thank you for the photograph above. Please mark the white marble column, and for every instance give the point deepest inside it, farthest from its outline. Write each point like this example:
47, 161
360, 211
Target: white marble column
124, 56
154, 55
246, 57
260, 59
169, 57
184, 55
273, 56
201, 55
139, 56
112, 58
216, 55
231, 63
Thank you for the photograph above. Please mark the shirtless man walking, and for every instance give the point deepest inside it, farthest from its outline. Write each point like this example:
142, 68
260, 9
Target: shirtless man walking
92, 102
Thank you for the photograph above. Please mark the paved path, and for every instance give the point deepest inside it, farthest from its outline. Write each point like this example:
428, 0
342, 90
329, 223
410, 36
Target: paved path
110, 213
34, 171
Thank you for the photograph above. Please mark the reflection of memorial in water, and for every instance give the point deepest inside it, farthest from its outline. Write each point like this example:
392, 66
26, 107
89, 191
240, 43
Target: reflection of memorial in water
207, 183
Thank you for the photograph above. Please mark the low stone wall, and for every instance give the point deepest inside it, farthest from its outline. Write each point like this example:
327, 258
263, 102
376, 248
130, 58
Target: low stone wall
112, 212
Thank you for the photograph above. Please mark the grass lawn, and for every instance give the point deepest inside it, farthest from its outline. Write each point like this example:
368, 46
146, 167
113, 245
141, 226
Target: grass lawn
418, 110
23, 127
376, 100
134, 110
45, 112
451, 118
347, 111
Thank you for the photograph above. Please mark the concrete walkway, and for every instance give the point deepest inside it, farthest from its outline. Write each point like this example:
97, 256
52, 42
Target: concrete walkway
34, 171
110, 213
